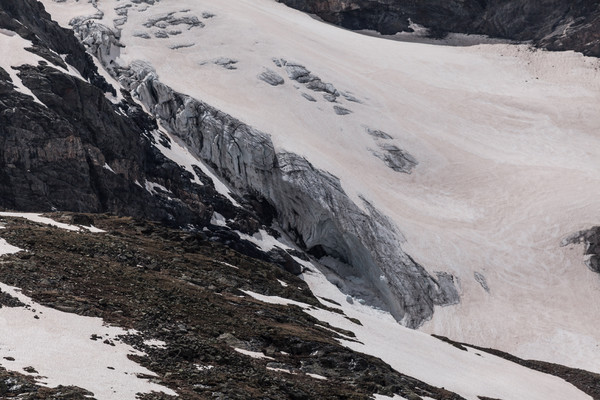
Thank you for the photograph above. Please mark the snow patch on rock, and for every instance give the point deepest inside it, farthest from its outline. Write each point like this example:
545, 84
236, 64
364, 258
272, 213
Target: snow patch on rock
58, 346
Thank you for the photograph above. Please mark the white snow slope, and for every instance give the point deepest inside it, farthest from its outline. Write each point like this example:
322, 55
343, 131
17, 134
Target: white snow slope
506, 138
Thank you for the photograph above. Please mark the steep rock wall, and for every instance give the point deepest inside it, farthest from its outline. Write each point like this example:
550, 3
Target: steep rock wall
72, 148
552, 24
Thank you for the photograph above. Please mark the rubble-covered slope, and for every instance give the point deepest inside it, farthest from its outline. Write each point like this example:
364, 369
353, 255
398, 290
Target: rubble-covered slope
175, 315
183, 296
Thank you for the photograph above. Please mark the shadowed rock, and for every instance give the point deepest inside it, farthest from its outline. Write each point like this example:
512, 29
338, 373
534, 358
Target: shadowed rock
341, 110
552, 24
271, 77
396, 158
481, 280
591, 240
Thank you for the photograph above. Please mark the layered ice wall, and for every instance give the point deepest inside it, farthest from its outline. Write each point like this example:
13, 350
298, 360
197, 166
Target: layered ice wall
311, 204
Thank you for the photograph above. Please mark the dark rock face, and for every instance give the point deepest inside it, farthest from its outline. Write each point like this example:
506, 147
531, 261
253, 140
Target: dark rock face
29, 19
591, 240
79, 151
56, 157
390, 16
552, 24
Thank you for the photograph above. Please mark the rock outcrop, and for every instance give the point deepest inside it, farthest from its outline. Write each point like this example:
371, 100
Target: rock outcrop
591, 240
552, 24
72, 148
30, 21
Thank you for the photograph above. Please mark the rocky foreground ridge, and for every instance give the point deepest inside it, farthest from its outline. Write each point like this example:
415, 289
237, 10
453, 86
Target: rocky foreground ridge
188, 291
193, 295
552, 24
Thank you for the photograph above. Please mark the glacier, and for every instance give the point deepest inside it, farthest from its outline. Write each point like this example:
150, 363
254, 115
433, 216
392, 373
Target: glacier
505, 137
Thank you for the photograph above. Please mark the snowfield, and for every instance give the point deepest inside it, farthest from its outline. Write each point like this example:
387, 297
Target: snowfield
507, 144
49, 221
6, 248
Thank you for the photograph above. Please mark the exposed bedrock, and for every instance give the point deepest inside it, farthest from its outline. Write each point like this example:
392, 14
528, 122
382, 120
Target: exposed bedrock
29, 20
552, 24
311, 204
80, 152
73, 148
591, 240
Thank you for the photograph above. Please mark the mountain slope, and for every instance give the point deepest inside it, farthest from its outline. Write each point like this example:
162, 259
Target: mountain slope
310, 204
212, 323
503, 136
194, 329
413, 176
552, 24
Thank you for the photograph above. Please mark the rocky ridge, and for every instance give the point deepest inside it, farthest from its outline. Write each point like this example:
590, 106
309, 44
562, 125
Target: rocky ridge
190, 295
553, 24
186, 291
